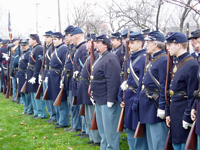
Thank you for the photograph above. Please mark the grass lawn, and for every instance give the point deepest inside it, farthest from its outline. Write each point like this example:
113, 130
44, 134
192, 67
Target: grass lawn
20, 132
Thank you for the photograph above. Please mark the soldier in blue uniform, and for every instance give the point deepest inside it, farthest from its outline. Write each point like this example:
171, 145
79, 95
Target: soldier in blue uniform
195, 112
84, 97
68, 73
152, 97
183, 83
146, 32
54, 76
105, 82
193, 38
116, 41
132, 86
21, 77
33, 70
49, 103
78, 62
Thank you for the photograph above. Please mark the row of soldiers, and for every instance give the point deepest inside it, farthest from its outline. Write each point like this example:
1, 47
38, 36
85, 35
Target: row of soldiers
100, 74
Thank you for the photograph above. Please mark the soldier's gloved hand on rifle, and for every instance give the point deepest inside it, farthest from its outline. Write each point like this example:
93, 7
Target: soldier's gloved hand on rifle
32, 80
110, 104
193, 114
123, 85
25, 75
0, 69
92, 100
161, 113
61, 84
5, 56
17, 80
39, 79
46, 79
186, 124
75, 74
122, 104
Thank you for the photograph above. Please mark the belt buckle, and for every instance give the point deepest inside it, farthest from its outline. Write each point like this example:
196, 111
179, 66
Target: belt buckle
91, 77
49, 68
171, 92
127, 86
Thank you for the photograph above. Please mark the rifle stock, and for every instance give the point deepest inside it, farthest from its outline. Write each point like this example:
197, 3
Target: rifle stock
192, 138
23, 89
168, 145
139, 130
17, 97
45, 95
59, 97
38, 93
121, 121
82, 110
10, 90
94, 122
74, 101
4, 90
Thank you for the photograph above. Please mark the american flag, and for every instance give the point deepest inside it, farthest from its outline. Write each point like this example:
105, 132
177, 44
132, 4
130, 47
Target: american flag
9, 26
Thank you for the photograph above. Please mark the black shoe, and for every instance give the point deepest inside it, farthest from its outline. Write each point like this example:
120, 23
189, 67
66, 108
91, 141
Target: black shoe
13, 101
80, 134
47, 120
90, 142
59, 126
24, 113
84, 136
124, 139
95, 144
33, 116
73, 130
68, 129
51, 121
38, 117
55, 123
28, 113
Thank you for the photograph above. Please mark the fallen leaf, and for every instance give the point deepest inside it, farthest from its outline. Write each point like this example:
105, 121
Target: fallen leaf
11, 115
39, 125
45, 137
23, 123
34, 137
30, 131
16, 110
55, 134
62, 132
25, 127
70, 148
20, 116
39, 146
13, 136
1, 138
1, 129
54, 141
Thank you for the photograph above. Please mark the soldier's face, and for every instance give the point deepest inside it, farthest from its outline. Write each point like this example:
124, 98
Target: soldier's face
134, 46
31, 42
24, 48
197, 46
101, 47
57, 41
172, 48
124, 41
68, 39
150, 47
88, 45
48, 39
115, 42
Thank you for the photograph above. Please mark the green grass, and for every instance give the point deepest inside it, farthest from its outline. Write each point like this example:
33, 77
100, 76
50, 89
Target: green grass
20, 132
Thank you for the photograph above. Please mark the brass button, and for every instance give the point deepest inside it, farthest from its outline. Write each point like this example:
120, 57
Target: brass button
171, 92
91, 77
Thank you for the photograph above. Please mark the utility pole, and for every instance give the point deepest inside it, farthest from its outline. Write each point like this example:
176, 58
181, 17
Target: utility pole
59, 23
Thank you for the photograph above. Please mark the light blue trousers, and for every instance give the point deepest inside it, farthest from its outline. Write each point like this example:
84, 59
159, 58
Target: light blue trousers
94, 135
13, 90
156, 135
49, 104
107, 121
39, 107
136, 143
26, 98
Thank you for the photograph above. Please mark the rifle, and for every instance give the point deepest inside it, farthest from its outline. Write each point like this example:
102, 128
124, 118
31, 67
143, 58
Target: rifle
45, 93
10, 91
74, 101
38, 93
188, 34
121, 119
140, 127
82, 110
192, 138
59, 97
23, 89
8, 78
18, 94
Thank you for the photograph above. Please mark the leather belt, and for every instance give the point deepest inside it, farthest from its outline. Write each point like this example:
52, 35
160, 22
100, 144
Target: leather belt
22, 69
152, 90
54, 69
84, 79
97, 78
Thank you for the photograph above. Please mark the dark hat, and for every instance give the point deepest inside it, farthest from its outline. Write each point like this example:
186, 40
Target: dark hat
177, 37
48, 33
91, 36
195, 34
24, 42
69, 29
10, 46
4, 42
155, 36
76, 30
57, 35
125, 33
116, 35
146, 31
103, 37
14, 40
35, 37
168, 34
1, 40
136, 36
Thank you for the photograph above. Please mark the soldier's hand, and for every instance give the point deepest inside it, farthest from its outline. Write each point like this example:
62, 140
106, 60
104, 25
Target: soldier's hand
39, 79
168, 120
46, 80
92, 100
75, 74
32, 80
185, 124
193, 115
123, 85
110, 104
161, 113
122, 104
61, 84
17, 80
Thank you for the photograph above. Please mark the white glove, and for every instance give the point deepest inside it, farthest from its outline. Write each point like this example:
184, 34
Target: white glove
61, 84
5, 55
32, 80
46, 80
0, 69
92, 100
123, 85
17, 80
39, 79
185, 124
161, 113
75, 74
110, 104
25, 76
